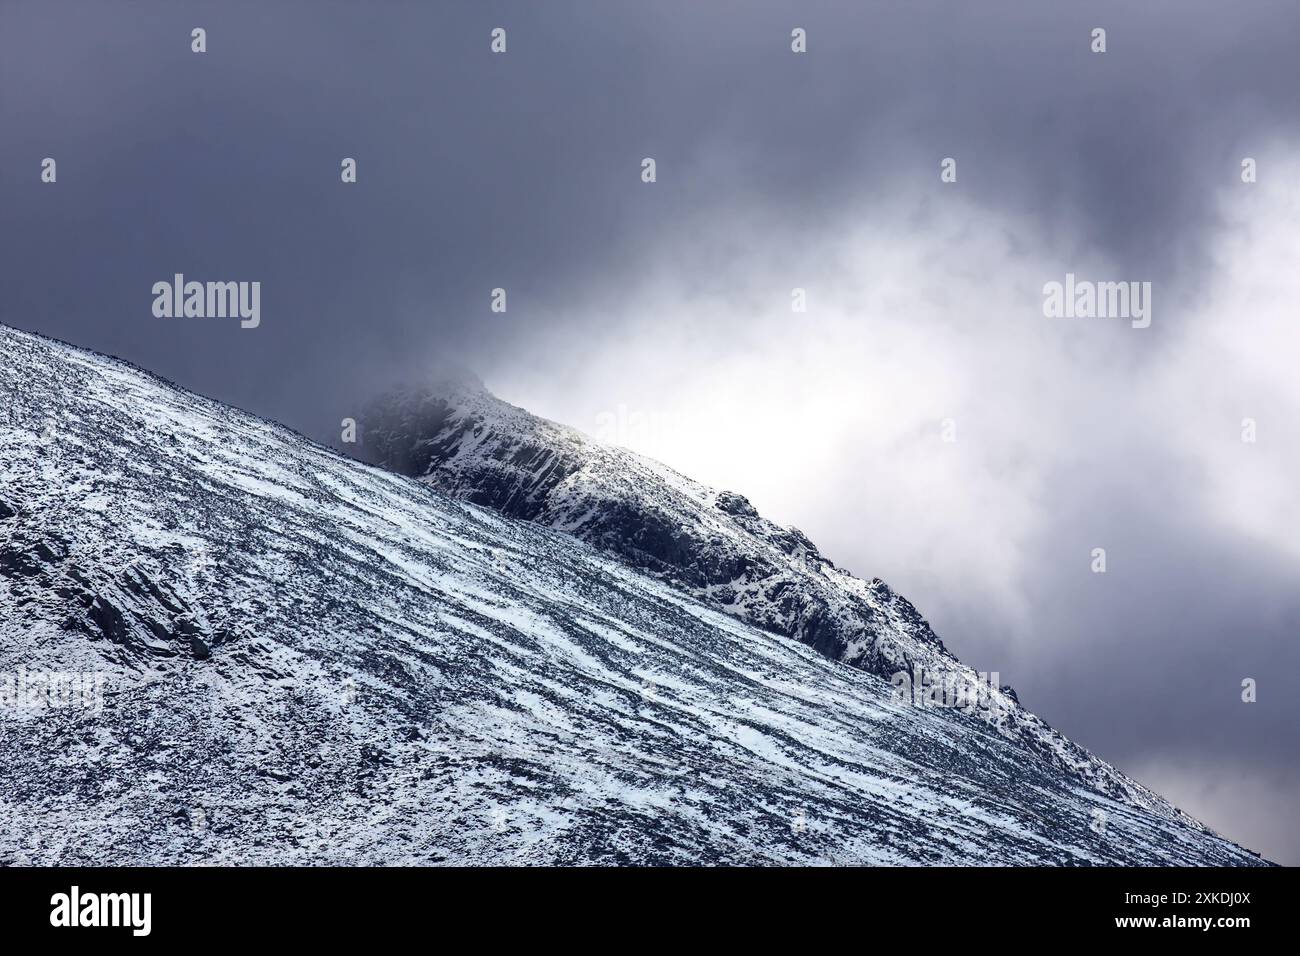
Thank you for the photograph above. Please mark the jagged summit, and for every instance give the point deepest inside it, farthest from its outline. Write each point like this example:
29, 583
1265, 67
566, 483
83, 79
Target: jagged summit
711, 544
305, 659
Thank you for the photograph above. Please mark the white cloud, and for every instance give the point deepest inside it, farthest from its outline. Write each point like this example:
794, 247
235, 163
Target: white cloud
834, 419
1241, 361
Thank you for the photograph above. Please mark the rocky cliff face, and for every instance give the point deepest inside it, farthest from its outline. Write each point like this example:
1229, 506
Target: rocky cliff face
463, 441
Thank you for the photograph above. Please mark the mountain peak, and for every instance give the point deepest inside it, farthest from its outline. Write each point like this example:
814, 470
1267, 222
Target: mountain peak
712, 545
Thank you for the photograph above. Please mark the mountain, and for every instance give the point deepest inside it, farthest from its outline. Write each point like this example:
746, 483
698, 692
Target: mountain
457, 437
281, 655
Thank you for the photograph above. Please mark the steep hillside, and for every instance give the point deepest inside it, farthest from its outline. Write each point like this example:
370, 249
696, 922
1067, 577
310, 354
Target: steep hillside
711, 544
298, 658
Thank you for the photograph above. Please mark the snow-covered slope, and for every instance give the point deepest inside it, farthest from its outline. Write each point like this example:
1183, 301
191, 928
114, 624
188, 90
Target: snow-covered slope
459, 438
307, 659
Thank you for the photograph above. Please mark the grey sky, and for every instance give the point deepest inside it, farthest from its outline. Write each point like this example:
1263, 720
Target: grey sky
670, 302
